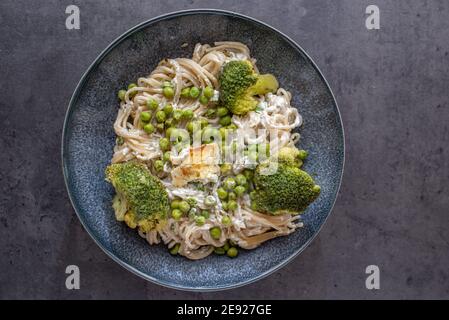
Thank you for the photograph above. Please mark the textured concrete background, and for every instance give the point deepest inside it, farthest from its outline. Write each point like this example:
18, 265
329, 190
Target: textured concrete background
392, 89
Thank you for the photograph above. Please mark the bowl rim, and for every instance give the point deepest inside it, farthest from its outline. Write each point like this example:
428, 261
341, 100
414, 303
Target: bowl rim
80, 86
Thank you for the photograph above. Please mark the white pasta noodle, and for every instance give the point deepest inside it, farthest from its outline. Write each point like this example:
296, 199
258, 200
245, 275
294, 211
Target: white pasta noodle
274, 115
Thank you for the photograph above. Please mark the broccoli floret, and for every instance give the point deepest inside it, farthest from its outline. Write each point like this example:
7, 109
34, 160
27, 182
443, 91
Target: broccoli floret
239, 83
140, 196
290, 156
286, 190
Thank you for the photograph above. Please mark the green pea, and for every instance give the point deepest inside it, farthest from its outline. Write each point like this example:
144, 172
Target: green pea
222, 111
192, 202
203, 100
177, 114
148, 128
168, 109
215, 233
232, 196
176, 214
240, 179
208, 92
229, 183
185, 93
211, 113
226, 246
303, 154
200, 220
224, 205
169, 132
152, 104
160, 116
175, 204
167, 84
210, 201
222, 193
169, 123
145, 116
249, 174
175, 249
232, 126
205, 214
239, 190
168, 92
192, 213
158, 165
194, 92
121, 94
316, 188
160, 127
224, 121
187, 114
184, 206
226, 220
232, 252
232, 205
164, 143
190, 126
132, 85
166, 156
204, 123
219, 251
226, 168
120, 141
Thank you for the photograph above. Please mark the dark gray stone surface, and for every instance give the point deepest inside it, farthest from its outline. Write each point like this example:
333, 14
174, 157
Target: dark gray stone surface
392, 89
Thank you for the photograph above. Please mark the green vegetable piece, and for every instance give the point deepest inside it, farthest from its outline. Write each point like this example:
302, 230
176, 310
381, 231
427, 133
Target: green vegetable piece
224, 121
145, 116
184, 206
145, 195
152, 104
229, 183
232, 205
239, 84
219, 251
158, 165
168, 92
239, 190
226, 220
210, 201
168, 109
240, 179
200, 220
160, 116
222, 193
185, 93
203, 100
121, 95
176, 214
174, 251
187, 114
232, 252
194, 92
222, 111
208, 92
148, 128
215, 233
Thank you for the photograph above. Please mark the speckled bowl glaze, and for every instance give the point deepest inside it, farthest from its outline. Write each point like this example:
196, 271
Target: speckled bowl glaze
88, 139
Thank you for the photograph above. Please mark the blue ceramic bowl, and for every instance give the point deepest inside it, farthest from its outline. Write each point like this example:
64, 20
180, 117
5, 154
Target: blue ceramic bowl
88, 140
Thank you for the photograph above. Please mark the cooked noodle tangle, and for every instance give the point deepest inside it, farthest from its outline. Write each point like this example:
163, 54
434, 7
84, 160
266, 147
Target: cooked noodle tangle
276, 116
